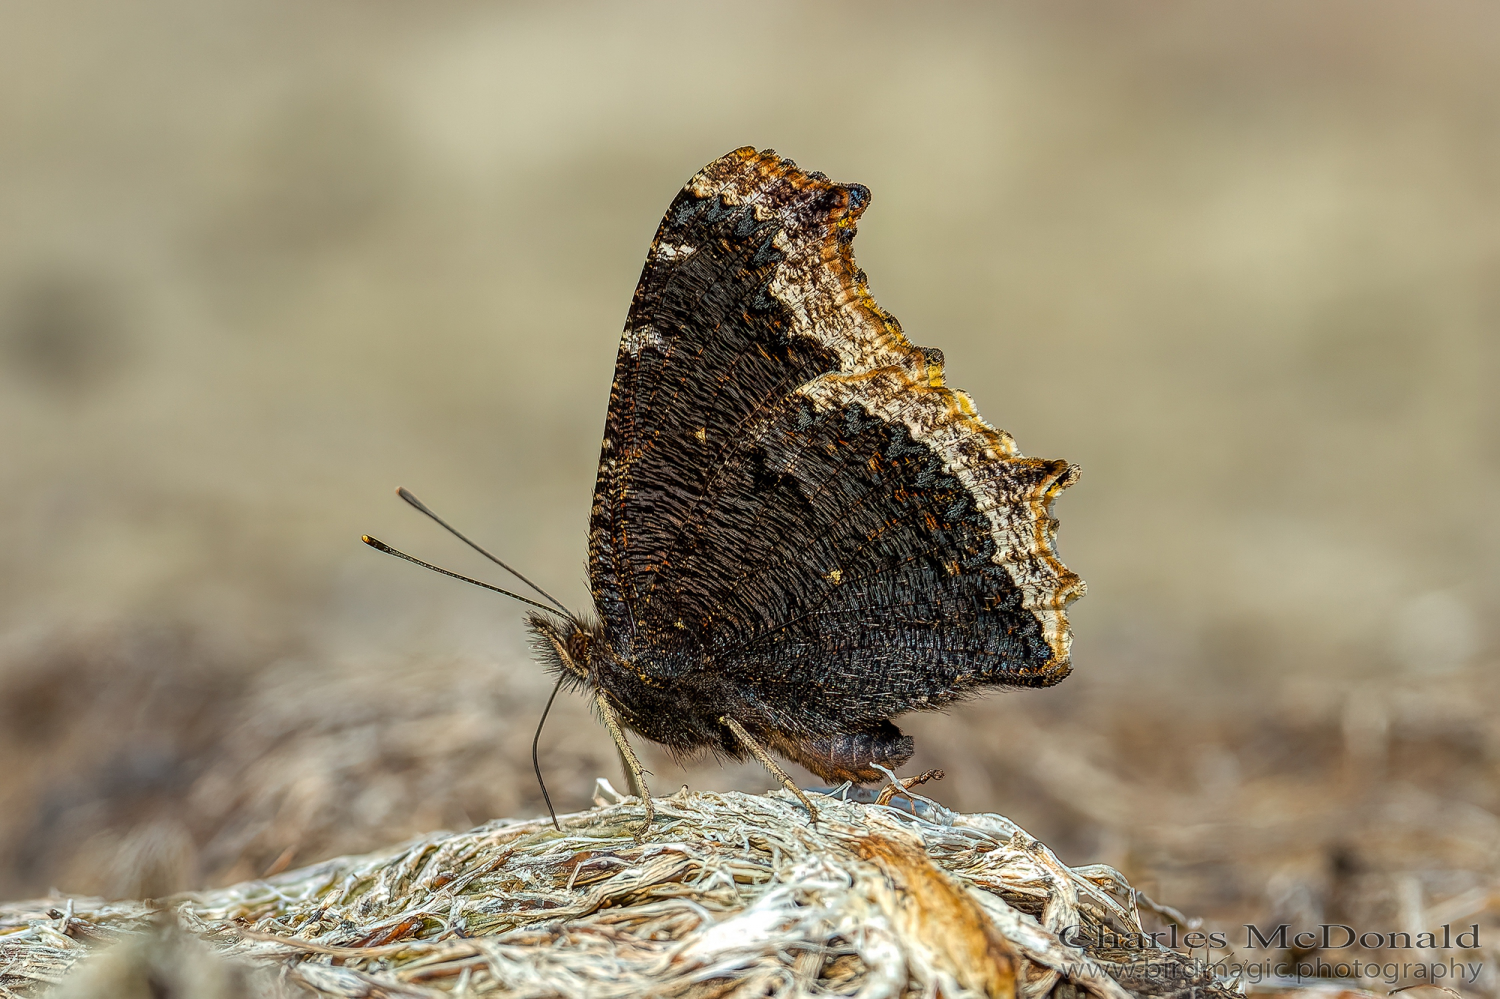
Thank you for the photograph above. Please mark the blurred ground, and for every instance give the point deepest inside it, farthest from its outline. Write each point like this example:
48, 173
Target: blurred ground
262, 262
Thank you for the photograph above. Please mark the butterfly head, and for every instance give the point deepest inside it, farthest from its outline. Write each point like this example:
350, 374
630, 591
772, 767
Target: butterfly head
568, 646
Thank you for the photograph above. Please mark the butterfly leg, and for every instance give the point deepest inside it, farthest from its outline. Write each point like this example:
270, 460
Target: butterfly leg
906, 784
627, 756
764, 757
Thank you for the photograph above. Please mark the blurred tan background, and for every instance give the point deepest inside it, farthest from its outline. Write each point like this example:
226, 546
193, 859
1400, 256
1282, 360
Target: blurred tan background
262, 262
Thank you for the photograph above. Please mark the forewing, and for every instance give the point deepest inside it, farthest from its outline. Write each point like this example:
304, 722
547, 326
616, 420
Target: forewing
788, 493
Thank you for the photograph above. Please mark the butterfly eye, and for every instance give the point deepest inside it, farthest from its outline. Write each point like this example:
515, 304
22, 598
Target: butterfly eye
578, 647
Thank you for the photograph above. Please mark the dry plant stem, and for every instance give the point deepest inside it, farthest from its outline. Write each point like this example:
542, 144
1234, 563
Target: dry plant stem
633, 768
765, 760
734, 896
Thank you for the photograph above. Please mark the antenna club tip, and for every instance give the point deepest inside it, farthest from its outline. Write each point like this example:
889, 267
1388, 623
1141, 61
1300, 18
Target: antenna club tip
372, 542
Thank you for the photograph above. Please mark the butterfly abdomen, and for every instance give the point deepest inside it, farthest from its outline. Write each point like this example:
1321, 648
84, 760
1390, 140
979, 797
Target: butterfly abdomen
841, 756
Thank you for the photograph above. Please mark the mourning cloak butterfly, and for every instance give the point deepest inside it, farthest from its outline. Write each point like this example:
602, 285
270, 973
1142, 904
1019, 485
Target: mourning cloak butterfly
798, 530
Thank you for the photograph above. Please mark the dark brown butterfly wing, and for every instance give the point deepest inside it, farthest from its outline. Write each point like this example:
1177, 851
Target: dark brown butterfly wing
794, 517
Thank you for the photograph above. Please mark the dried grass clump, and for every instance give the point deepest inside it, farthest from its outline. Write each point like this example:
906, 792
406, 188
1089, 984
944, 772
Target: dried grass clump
728, 894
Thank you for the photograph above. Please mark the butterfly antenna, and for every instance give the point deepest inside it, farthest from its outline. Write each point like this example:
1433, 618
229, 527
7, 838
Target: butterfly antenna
536, 763
381, 546
406, 494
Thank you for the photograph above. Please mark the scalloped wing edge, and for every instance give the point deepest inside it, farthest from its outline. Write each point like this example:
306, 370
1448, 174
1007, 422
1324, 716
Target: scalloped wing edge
894, 380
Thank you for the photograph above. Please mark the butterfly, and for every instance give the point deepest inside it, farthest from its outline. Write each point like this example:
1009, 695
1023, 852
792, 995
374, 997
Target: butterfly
799, 531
